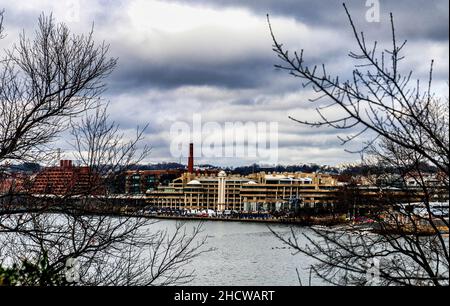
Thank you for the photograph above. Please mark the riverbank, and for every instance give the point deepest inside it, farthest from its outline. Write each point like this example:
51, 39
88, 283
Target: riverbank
328, 222
306, 221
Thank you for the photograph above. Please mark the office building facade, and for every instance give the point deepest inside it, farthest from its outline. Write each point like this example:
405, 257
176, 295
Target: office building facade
260, 191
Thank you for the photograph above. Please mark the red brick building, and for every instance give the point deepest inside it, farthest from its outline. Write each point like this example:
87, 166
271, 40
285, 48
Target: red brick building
67, 179
13, 183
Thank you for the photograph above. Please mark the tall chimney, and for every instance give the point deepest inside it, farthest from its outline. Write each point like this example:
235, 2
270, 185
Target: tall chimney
191, 158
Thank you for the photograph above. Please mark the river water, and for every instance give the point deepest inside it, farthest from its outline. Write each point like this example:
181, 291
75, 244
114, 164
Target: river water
244, 254
247, 254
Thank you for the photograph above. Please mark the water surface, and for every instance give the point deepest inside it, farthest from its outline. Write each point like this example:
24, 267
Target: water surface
248, 254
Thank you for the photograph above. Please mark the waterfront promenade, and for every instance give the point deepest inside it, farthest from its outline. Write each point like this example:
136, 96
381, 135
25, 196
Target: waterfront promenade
255, 218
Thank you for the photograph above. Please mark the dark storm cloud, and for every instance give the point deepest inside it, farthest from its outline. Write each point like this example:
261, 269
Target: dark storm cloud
255, 68
415, 20
422, 19
249, 73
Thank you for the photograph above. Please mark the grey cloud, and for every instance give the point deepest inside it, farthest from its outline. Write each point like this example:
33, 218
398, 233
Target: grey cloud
152, 87
250, 73
415, 19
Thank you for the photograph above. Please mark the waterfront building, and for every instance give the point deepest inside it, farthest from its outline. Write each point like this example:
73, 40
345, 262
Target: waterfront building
141, 181
259, 191
14, 182
276, 191
67, 179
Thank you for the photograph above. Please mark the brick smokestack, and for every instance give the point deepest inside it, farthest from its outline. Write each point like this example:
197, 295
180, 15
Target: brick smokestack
191, 158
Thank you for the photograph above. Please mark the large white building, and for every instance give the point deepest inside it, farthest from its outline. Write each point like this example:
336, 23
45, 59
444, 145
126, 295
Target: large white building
272, 191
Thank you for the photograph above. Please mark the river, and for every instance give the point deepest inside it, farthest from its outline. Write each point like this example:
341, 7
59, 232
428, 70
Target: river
247, 254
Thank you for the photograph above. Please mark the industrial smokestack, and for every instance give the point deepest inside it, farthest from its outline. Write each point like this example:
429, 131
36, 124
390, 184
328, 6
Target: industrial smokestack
191, 158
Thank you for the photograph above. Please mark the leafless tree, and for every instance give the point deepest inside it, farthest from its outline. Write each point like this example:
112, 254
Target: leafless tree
86, 232
44, 81
80, 249
81, 236
157, 258
99, 144
1, 24
409, 128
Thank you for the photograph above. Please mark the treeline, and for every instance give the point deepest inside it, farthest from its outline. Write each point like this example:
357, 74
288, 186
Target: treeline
349, 170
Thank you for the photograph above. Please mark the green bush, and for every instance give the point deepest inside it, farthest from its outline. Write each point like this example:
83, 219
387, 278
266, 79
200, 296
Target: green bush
29, 273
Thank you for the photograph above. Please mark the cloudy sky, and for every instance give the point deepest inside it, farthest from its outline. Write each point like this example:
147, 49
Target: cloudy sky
213, 58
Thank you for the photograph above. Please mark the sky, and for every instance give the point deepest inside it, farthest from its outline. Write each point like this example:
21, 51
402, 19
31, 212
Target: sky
210, 64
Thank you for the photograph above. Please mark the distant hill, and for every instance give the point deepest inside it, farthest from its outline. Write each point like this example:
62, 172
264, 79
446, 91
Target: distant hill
24, 167
159, 166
